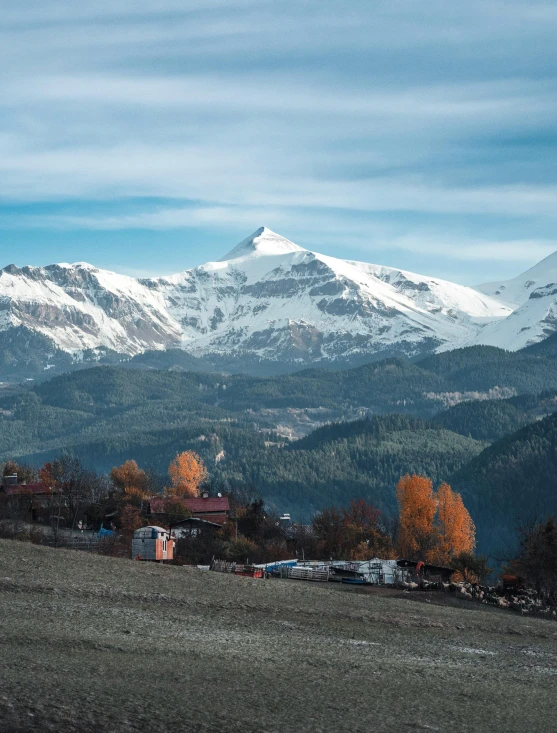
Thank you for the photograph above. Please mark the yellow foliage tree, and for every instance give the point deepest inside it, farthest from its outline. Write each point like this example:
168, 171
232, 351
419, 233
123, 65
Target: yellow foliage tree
433, 527
417, 536
456, 528
187, 472
132, 480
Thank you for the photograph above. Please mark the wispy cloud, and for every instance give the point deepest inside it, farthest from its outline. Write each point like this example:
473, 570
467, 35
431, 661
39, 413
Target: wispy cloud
474, 250
435, 120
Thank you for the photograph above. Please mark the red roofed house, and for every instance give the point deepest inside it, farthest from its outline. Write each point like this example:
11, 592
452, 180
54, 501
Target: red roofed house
29, 501
212, 508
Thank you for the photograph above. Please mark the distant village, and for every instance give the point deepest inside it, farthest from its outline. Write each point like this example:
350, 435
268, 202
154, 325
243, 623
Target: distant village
429, 547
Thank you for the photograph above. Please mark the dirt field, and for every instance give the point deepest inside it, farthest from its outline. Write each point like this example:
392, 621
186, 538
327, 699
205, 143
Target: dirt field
94, 644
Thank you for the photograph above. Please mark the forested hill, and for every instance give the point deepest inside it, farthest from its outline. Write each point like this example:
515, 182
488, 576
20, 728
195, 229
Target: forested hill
492, 420
481, 368
511, 482
398, 385
364, 458
239, 425
391, 385
360, 459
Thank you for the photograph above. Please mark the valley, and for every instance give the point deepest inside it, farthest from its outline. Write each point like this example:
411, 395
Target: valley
317, 437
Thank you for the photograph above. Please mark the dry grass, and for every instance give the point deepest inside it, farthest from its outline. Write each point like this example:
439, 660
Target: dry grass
91, 643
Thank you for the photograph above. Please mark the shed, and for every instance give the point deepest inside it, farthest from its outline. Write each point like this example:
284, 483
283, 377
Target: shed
376, 571
152, 543
33, 501
379, 571
419, 571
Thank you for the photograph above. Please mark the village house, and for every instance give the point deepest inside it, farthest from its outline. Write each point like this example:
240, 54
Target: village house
29, 502
215, 509
194, 527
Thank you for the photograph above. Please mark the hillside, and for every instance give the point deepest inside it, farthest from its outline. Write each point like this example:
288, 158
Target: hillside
362, 459
337, 463
212, 652
238, 425
481, 368
241, 426
511, 482
492, 420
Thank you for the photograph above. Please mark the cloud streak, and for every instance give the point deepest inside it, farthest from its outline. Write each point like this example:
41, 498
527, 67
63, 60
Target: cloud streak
424, 121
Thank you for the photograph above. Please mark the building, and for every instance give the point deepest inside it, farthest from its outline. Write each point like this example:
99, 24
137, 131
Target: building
193, 527
376, 571
152, 543
214, 509
29, 502
390, 572
417, 572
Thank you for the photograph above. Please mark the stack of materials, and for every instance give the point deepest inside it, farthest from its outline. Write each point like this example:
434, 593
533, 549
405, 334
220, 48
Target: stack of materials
251, 571
304, 573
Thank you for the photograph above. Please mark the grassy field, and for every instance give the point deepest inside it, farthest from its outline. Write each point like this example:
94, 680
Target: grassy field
90, 643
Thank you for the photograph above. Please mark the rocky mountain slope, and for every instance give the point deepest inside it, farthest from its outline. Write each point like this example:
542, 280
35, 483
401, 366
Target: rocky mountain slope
271, 299
268, 300
533, 299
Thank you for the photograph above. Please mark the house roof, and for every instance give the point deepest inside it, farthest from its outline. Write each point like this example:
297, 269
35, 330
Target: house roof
26, 489
196, 520
199, 505
196, 505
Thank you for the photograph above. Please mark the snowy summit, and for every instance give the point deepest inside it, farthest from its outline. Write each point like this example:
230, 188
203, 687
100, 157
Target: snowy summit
262, 242
270, 299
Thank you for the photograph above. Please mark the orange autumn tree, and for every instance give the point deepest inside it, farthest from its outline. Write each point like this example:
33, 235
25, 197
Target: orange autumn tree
187, 472
46, 475
433, 527
456, 528
131, 480
417, 535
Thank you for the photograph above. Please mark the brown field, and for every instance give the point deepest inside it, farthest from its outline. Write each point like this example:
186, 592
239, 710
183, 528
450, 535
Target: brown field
90, 643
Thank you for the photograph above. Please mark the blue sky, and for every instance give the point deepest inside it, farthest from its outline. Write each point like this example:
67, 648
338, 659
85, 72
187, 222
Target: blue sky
148, 137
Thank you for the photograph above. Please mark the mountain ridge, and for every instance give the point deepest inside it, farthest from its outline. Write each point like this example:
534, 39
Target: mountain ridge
267, 300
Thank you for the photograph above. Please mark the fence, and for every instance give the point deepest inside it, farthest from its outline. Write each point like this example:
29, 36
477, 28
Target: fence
86, 544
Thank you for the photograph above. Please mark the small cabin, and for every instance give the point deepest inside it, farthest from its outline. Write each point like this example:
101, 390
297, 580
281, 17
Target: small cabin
152, 543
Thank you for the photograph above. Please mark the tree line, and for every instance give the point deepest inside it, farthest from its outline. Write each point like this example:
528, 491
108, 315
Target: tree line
431, 525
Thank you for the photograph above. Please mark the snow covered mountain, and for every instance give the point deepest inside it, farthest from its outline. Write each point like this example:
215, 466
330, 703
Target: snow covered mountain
533, 299
268, 299
271, 299
82, 308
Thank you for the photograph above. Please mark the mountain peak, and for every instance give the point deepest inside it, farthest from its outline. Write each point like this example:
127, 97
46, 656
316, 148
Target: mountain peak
262, 242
